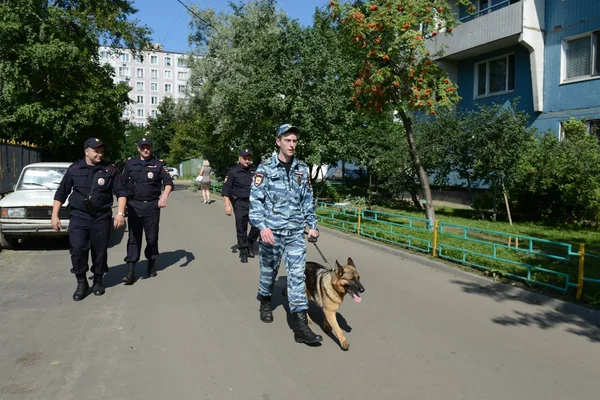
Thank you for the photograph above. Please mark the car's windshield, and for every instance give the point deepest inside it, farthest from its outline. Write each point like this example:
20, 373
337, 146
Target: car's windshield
45, 178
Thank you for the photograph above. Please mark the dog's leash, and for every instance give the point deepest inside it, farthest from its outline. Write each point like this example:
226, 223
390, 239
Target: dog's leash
313, 240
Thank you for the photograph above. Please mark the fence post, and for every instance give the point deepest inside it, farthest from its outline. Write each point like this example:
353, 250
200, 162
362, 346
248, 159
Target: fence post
436, 226
580, 275
359, 221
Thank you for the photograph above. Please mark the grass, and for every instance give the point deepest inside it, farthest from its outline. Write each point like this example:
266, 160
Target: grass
484, 245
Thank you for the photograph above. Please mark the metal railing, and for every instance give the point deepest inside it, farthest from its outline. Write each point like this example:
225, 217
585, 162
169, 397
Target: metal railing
537, 261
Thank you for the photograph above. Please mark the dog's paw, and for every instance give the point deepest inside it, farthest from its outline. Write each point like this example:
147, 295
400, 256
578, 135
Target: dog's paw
345, 345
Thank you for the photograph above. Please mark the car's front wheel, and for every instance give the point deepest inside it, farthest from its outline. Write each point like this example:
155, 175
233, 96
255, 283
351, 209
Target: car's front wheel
7, 242
174, 177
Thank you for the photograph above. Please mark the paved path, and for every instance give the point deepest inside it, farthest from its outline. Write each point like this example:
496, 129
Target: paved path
193, 332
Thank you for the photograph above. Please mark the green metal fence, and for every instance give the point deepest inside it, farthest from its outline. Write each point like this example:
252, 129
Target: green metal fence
537, 261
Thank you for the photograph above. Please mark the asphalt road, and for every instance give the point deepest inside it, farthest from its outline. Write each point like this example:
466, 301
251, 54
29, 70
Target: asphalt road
193, 332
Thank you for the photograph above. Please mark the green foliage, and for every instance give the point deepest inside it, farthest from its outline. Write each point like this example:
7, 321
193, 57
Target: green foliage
561, 179
53, 91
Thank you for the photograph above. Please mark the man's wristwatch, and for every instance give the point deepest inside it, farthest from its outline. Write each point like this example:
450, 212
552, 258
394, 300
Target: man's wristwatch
120, 213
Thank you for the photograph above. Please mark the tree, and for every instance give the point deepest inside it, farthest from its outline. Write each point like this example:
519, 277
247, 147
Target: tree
53, 90
398, 71
161, 129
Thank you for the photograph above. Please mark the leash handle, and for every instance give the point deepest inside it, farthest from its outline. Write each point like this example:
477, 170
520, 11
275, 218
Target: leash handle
313, 239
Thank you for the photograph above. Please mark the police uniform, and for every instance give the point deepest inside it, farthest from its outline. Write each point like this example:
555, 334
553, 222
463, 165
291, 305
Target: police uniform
283, 201
237, 187
144, 180
90, 205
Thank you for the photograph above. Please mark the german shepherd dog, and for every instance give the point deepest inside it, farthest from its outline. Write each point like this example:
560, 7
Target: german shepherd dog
327, 287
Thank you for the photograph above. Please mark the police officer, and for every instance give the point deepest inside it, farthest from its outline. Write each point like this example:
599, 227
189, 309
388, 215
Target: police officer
281, 204
144, 176
93, 183
236, 192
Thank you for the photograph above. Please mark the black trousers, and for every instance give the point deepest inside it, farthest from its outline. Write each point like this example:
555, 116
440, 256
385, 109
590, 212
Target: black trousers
87, 233
241, 209
142, 217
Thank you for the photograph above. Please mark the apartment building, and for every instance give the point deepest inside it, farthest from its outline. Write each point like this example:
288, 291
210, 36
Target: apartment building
152, 76
543, 52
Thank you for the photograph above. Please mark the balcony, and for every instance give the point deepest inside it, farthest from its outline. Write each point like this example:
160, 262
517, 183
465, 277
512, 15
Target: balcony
494, 28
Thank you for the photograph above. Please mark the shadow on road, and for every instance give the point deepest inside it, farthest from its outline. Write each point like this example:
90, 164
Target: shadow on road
315, 312
164, 261
43, 243
581, 322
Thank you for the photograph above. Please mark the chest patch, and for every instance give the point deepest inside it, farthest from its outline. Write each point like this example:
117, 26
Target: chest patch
101, 182
258, 179
299, 180
150, 175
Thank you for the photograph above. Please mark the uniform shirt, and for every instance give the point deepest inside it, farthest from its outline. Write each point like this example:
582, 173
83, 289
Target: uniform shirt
100, 181
145, 182
280, 201
238, 181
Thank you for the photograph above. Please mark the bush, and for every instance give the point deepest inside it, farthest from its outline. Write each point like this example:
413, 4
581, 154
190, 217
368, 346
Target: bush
560, 182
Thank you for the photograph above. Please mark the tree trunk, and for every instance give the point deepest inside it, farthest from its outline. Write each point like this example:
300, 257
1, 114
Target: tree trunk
495, 202
414, 154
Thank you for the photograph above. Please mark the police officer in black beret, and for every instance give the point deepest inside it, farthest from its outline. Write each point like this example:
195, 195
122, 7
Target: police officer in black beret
93, 183
144, 177
236, 192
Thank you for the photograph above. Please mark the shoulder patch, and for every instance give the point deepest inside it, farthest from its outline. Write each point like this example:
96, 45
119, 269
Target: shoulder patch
160, 160
225, 181
258, 179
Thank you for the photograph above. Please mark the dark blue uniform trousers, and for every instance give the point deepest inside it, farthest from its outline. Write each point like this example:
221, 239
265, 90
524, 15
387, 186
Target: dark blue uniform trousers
87, 233
142, 216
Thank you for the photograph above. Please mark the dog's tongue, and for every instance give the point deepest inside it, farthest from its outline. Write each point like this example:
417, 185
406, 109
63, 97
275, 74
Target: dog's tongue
356, 298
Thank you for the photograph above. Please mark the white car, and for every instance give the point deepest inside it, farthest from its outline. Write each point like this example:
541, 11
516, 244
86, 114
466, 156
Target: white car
173, 172
28, 210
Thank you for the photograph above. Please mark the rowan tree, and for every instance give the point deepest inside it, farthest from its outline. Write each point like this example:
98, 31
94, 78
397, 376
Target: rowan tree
399, 72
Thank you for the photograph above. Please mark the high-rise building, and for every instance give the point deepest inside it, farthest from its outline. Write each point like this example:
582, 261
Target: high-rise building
152, 75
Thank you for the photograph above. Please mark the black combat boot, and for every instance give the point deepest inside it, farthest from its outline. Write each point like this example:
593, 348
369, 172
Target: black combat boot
251, 250
266, 315
98, 287
302, 333
244, 255
129, 279
82, 288
151, 269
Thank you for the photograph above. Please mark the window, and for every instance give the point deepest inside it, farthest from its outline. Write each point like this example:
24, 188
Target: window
182, 75
181, 62
154, 73
168, 74
153, 59
581, 57
154, 87
124, 57
140, 99
167, 61
168, 87
495, 76
154, 113
181, 88
140, 72
126, 113
139, 86
139, 59
104, 55
123, 71
140, 112
154, 100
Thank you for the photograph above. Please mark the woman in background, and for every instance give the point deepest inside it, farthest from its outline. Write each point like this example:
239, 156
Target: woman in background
205, 181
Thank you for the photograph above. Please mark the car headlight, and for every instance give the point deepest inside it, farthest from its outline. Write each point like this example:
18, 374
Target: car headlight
13, 212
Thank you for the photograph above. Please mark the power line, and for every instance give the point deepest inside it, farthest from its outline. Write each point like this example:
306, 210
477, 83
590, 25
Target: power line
196, 15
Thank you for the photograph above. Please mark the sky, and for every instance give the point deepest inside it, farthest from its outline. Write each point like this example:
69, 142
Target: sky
169, 20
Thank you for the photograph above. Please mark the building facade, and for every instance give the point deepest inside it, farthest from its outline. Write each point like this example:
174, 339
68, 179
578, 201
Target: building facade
152, 76
542, 52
